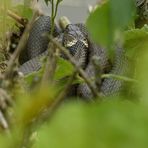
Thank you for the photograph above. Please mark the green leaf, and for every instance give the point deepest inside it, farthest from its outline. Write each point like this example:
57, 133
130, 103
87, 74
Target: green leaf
64, 68
136, 45
33, 77
23, 11
107, 20
99, 25
136, 41
5, 20
107, 125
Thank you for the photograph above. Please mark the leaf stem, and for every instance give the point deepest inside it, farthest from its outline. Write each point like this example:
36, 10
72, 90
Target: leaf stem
119, 77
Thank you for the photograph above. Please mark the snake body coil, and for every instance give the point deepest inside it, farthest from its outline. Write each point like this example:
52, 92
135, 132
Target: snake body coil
76, 39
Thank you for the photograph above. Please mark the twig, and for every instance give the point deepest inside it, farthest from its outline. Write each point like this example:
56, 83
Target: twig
77, 67
52, 17
17, 18
119, 77
97, 70
20, 46
49, 67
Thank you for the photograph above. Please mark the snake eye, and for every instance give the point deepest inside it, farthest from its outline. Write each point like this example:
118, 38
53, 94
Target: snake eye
70, 41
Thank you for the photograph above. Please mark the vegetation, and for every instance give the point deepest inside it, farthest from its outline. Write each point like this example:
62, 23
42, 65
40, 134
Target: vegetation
42, 117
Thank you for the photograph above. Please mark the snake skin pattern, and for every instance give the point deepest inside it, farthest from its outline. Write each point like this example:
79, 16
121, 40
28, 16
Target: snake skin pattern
112, 86
77, 46
83, 90
33, 64
77, 40
38, 40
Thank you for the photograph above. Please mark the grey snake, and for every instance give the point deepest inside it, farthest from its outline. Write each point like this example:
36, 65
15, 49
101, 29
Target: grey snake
77, 40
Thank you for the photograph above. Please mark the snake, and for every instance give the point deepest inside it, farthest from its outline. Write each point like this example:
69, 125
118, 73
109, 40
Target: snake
77, 40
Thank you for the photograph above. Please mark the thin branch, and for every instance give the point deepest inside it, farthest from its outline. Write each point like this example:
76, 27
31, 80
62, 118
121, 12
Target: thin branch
77, 67
17, 18
56, 8
49, 67
119, 77
52, 17
20, 46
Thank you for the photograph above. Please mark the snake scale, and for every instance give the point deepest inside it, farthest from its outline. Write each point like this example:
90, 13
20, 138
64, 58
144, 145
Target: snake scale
77, 40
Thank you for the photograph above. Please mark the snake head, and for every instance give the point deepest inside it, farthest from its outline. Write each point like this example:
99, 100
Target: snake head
74, 38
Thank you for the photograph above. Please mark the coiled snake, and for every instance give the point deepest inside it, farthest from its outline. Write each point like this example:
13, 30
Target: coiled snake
76, 39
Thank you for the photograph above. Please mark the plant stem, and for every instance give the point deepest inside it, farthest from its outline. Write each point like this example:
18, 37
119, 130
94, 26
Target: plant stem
51, 59
118, 77
49, 67
17, 18
52, 16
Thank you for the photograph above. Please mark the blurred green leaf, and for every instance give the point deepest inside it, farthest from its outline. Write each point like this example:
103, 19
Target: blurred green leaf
64, 68
23, 11
136, 41
108, 125
99, 25
5, 21
110, 18
33, 77
136, 45
3, 142
31, 105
